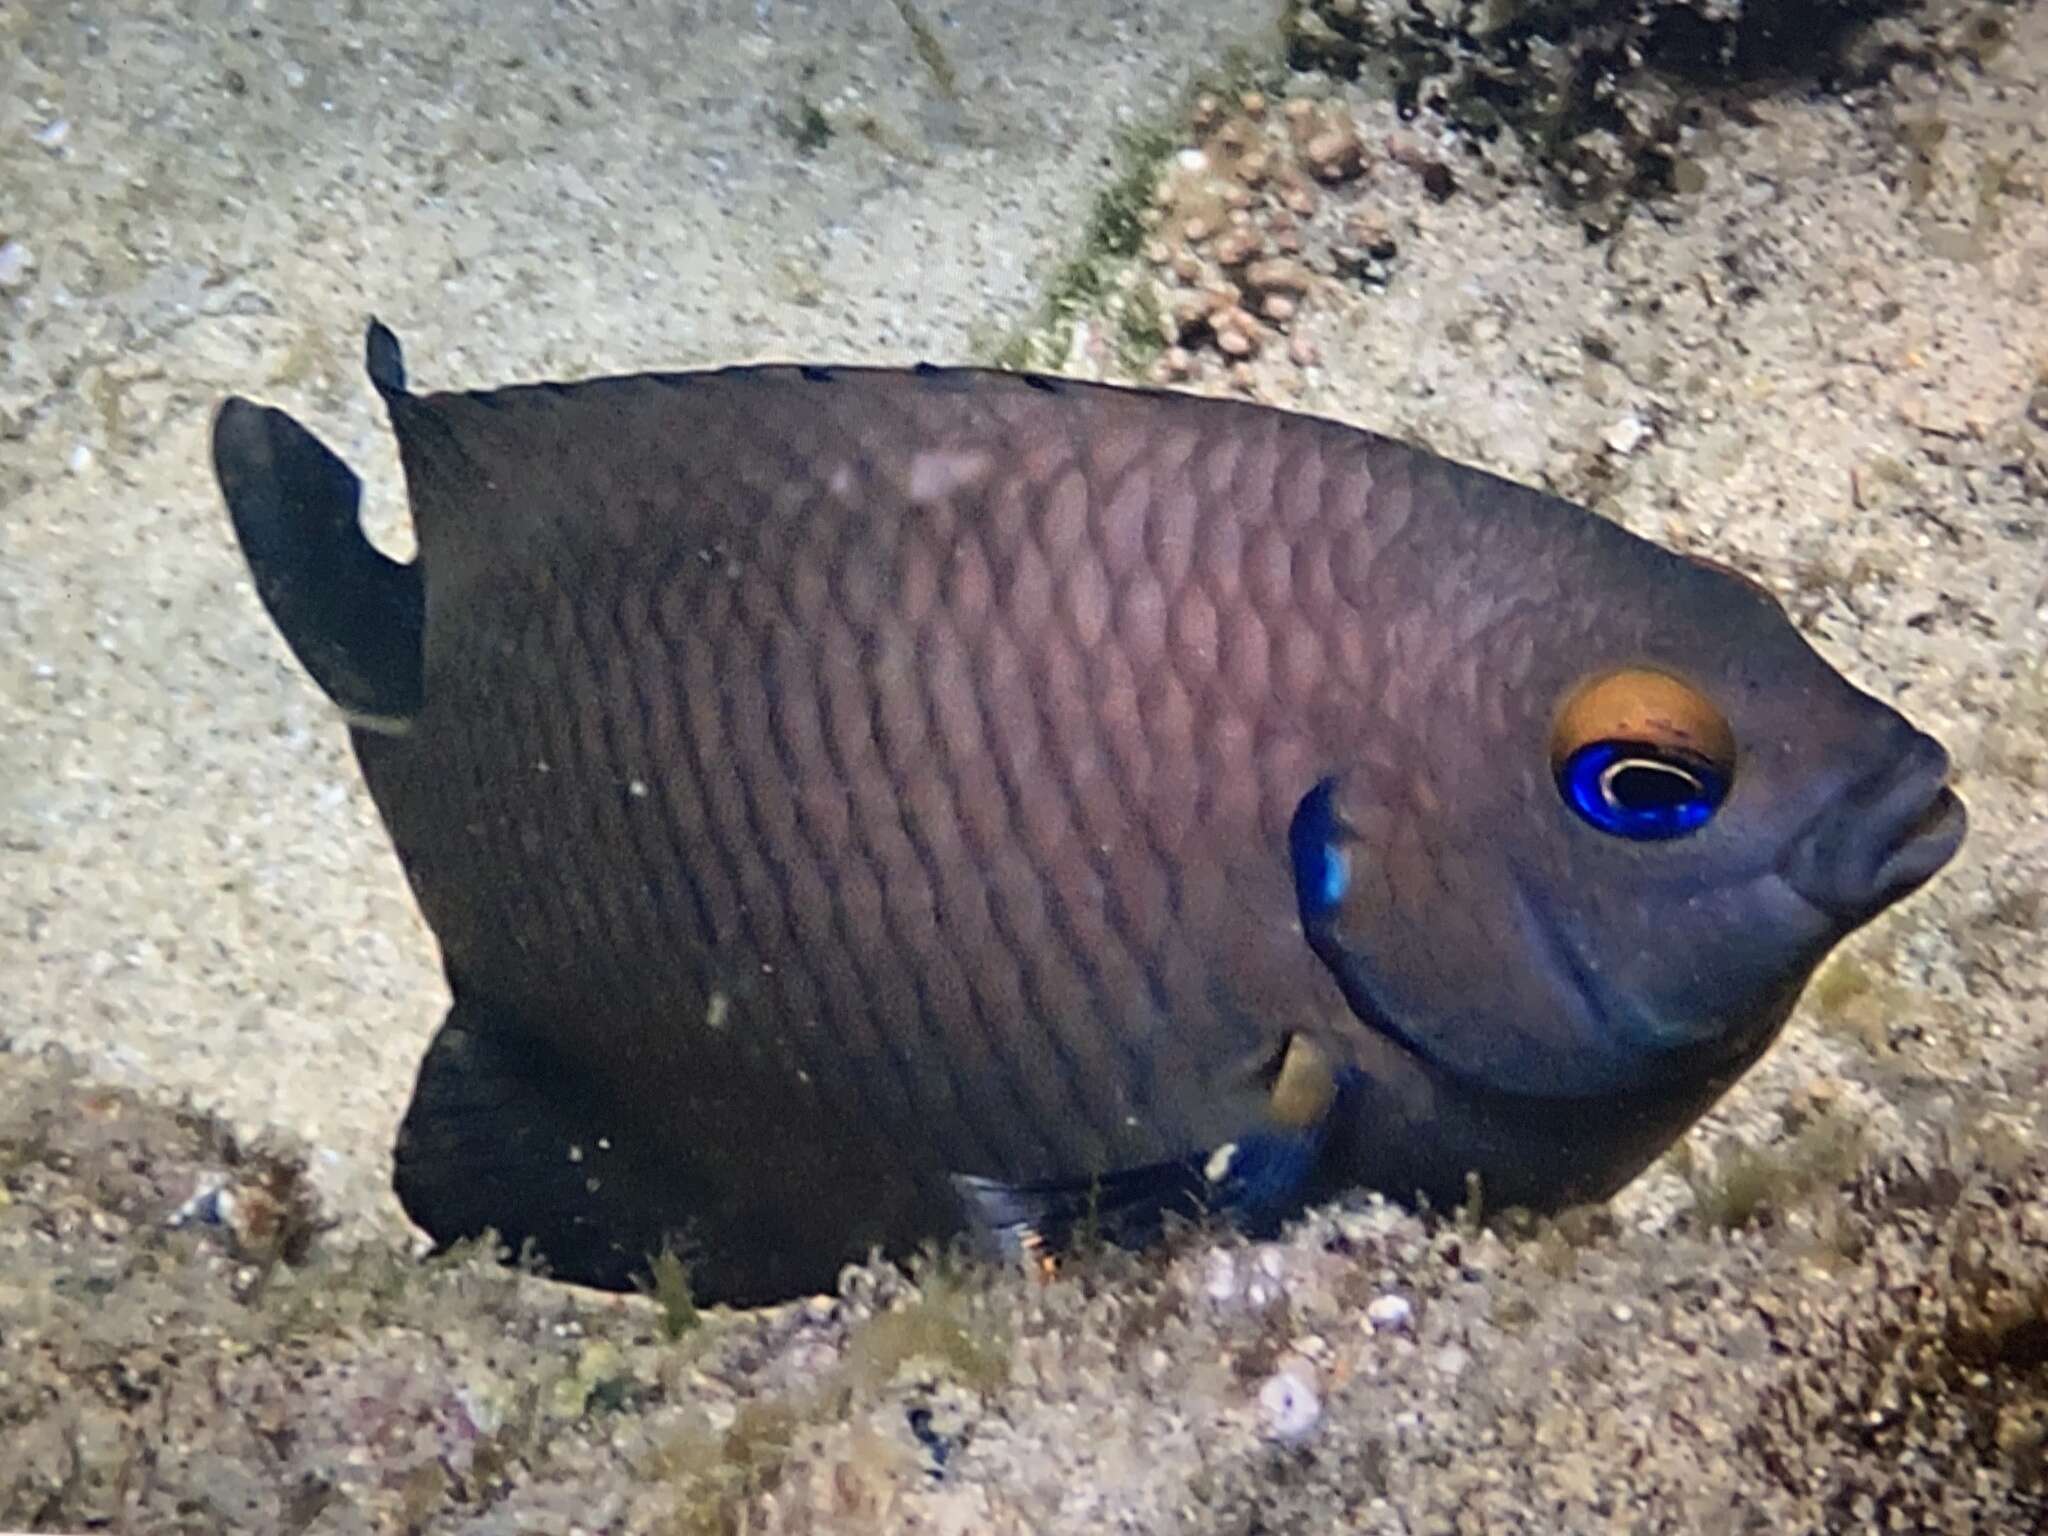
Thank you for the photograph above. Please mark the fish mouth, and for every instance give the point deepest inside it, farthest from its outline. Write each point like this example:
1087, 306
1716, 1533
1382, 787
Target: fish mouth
1884, 838
1928, 841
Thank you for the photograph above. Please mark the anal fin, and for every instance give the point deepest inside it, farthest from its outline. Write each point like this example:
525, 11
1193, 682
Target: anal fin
503, 1135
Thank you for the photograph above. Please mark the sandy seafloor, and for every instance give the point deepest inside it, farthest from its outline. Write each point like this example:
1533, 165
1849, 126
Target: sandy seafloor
1828, 364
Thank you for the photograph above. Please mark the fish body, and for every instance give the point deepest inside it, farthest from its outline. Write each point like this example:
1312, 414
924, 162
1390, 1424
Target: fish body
856, 806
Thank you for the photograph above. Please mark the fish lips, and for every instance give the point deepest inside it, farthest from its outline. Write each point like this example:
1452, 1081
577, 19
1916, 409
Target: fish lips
1882, 838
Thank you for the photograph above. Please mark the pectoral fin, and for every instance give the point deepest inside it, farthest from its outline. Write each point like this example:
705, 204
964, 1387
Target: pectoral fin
1253, 1180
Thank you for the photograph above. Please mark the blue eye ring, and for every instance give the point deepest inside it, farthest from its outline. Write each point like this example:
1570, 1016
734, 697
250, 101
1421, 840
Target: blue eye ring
1641, 791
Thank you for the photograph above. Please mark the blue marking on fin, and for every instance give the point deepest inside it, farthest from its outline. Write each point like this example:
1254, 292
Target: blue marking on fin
1254, 1182
1322, 867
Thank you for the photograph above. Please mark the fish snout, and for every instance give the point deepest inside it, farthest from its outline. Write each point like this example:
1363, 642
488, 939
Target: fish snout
1885, 836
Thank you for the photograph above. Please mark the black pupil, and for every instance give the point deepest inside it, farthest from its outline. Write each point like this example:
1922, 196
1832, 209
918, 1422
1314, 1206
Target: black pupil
1647, 786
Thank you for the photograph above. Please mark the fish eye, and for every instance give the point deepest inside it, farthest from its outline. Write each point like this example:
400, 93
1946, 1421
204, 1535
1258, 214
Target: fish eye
1641, 755
1639, 792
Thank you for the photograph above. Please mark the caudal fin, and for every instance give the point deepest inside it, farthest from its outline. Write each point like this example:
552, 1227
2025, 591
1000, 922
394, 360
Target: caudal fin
352, 615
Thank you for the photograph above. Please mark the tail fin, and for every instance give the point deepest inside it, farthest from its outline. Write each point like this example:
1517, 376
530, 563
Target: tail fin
353, 616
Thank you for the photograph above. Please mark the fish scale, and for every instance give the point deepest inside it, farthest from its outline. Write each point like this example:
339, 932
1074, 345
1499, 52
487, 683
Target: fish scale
745, 889
861, 806
1111, 942
1092, 533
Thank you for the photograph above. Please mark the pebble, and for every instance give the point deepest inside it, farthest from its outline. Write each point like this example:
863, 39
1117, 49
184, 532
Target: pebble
1237, 247
53, 134
79, 459
1220, 1282
1289, 1405
1268, 1285
1627, 434
1389, 1312
1237, 334
212, 1204
14, 264
1336, 153
1368, 228
1277, 274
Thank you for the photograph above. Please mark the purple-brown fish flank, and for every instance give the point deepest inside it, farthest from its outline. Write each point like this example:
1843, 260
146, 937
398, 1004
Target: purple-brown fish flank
858, 804
942, 800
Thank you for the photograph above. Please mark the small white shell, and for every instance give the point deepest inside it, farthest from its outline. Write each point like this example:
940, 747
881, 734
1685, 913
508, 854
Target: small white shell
1389, 1312
1289, 1406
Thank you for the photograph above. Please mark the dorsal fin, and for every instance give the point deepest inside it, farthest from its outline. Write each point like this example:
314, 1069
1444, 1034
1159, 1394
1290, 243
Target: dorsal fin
384, 359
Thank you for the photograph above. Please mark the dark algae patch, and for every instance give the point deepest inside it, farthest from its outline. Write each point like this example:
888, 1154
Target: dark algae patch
1605, 92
